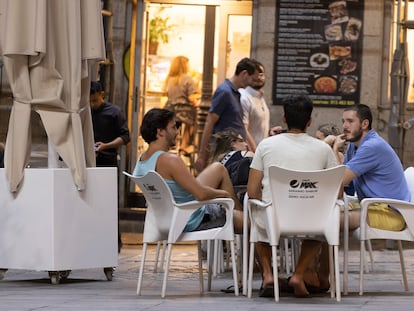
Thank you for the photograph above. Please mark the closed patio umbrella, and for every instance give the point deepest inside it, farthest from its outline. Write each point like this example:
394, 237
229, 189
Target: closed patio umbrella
47, 48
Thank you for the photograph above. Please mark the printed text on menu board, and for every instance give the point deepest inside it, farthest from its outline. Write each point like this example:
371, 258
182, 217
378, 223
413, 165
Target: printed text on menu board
319, 50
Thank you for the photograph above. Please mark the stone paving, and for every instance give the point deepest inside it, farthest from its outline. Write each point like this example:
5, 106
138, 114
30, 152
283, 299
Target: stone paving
89, 289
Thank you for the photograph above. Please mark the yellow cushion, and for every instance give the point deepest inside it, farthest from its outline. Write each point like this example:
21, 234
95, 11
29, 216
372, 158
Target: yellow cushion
380, 216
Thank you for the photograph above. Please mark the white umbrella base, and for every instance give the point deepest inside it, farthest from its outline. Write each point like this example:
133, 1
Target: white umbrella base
51, 226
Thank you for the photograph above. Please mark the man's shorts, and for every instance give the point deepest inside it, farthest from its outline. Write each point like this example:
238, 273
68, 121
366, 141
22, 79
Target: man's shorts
381, 216
214, 217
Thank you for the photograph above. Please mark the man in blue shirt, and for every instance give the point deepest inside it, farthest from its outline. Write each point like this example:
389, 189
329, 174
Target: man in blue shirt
226, 110
375, 171
374, 168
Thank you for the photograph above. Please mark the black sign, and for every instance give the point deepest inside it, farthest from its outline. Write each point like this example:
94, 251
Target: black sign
319, 50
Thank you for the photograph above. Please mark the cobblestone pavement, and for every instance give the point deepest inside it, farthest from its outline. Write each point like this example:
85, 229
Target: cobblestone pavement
89, 289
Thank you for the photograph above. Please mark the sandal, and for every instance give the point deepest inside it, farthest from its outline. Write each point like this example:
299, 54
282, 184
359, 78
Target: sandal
268, 291
230, 289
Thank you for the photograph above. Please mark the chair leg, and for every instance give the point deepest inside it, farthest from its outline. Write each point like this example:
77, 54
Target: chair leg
215, 258
250, 278
239, 260
220, 258
141, 268
345, 268
286, 250
402, 261
245, 249
361, 267
210, 256
167, 270
227, 254
209, 250
200, 267
331, 271
157, 255
337, 277
275, 273
282, 258
371, 256
233, 262
346, 244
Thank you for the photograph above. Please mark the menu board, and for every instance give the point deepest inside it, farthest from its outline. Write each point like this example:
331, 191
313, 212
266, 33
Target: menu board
318, 51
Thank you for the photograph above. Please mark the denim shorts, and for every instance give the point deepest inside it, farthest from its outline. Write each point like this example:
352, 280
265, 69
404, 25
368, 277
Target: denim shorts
214, 217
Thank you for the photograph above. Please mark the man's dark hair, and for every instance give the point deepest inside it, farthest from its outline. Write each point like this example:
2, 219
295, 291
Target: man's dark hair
259, 66
95, 87
153, 120
363, 113
298, 111
246, 64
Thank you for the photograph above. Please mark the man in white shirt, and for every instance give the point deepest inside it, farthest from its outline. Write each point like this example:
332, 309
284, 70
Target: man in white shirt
292, 150
256, 116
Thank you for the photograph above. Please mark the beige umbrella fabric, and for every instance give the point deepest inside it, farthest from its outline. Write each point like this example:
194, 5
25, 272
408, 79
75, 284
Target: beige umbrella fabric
47, 48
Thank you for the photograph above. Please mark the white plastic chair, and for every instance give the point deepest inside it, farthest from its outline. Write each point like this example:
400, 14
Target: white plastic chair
165, 220
366, 232
304, 206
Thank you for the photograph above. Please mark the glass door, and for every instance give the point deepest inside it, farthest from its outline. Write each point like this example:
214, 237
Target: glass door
235, 29
214, 35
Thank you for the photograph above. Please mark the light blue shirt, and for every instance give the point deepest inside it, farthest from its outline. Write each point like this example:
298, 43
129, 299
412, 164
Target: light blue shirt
378, 169
180, 194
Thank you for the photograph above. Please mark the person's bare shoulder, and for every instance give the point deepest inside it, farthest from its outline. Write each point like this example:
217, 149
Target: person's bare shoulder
170, 156
171, 160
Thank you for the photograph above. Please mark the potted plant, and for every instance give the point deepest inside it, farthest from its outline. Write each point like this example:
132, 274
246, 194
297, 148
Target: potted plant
159, 29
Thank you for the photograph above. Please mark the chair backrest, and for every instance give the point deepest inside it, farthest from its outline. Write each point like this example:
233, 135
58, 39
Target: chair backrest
160, 205
304, 201
409, 176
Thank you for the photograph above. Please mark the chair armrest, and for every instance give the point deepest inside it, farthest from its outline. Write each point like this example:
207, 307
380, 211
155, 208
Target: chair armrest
227, 202
259, 203
183, 211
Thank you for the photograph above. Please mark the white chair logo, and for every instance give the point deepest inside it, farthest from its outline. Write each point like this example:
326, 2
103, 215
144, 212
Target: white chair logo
304, 184
305, 189
150, 188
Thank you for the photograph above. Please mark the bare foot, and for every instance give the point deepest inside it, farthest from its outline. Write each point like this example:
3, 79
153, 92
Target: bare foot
298, 285
311, 278
324, 283
267, 280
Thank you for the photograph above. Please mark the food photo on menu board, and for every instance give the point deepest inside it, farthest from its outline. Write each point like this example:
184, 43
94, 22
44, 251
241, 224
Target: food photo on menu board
319, 50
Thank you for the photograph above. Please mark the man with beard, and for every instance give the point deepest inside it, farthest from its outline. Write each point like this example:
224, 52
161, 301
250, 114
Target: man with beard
256, 114
159, 129
373, 167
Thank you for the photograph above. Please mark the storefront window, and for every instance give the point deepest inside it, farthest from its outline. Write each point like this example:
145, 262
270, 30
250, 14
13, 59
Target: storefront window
238, 41
183, 34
